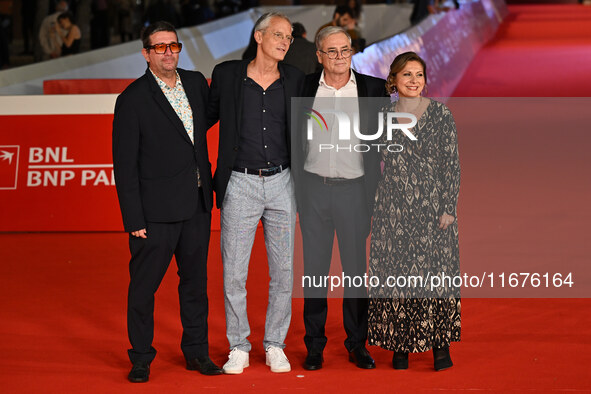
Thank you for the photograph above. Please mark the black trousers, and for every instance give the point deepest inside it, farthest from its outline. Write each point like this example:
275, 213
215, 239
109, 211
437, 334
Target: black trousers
188, 241
324, 210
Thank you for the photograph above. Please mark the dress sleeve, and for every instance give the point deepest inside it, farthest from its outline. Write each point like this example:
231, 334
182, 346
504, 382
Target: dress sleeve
449, 166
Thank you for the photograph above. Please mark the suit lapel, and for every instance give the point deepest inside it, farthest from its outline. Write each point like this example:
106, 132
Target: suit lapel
194, 101
361, 93
240, 76
312, 85
163, 103
361, 85
368, 157
288, 89
310, 88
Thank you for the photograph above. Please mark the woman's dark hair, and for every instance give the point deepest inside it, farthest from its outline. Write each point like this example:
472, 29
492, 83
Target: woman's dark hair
66, 15
342, 10
155, 28
356, 8
398, 65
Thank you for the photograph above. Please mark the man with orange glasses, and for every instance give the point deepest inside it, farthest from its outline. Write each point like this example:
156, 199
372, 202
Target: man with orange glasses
165, 194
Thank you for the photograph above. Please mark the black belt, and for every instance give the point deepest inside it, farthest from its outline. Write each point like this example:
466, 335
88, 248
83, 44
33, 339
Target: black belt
335, 181
262, 171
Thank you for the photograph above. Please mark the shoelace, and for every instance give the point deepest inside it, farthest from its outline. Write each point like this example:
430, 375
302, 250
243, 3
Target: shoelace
235, 356
276, 354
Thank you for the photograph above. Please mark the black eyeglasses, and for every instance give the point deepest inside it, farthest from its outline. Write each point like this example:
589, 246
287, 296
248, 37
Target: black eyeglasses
333, 53
175, 47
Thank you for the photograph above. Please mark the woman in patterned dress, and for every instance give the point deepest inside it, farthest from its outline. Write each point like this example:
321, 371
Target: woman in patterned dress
414, 230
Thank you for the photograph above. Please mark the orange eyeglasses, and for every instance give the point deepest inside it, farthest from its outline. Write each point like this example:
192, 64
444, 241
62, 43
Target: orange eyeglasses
175, 47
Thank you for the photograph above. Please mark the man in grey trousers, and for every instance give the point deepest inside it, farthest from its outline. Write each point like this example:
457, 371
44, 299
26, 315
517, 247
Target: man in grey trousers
251, 99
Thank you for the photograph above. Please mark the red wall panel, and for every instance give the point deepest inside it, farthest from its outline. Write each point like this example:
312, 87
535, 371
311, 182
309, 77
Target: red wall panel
56, 173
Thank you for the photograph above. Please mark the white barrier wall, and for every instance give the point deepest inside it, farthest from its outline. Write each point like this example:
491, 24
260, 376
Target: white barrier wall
55, 150
447, 42
204, 46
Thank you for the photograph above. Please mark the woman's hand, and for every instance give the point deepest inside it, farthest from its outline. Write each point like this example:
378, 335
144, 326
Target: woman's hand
445, 220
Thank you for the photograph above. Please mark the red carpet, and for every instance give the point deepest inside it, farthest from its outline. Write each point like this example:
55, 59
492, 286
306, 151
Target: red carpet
539, 51
63, 330
62, 296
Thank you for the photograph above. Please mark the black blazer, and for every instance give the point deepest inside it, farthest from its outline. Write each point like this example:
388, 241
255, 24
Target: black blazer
225, 105
367, 86
302, 54
154, 160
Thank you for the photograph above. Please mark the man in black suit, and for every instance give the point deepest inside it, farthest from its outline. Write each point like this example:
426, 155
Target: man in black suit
251, 99
336, 191
302, 53
164, 185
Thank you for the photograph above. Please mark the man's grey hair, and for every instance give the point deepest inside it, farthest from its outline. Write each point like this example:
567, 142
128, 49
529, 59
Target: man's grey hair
263, 22
329, 31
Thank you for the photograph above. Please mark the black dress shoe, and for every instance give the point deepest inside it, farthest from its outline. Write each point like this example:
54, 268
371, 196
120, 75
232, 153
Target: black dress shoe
441, 358
139, 372
400, 360
361, 358
313, 361
204, 365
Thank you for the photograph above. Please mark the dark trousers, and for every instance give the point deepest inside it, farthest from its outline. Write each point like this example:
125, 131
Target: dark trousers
326, 209
188, 241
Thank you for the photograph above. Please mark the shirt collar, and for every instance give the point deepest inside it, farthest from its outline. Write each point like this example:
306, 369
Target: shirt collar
245, 77
323, 83
163, 85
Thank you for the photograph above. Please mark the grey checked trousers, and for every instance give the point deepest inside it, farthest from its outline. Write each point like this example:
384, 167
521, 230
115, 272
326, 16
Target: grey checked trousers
248, 199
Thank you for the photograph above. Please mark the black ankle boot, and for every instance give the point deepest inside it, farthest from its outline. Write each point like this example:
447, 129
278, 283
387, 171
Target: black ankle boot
441, 358
400, 360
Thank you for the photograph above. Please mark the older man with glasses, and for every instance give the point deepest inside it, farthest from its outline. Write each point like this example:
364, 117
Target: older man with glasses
165, 192
336, 191
251, 99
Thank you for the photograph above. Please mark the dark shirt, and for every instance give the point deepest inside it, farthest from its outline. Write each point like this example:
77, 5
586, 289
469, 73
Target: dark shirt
72, 49
263, 133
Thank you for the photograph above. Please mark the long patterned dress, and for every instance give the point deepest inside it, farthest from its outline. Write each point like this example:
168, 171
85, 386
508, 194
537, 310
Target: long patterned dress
417, 186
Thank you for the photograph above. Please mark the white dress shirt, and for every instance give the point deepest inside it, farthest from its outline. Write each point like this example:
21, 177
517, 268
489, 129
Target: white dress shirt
342, 161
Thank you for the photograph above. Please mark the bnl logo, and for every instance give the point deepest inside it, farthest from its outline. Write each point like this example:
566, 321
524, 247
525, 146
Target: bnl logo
9, 155
344, 124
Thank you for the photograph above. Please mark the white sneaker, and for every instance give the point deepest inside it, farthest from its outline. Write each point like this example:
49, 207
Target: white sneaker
277, 360
237, 361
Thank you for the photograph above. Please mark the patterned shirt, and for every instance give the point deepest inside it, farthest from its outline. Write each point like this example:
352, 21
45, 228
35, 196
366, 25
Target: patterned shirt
177, 98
